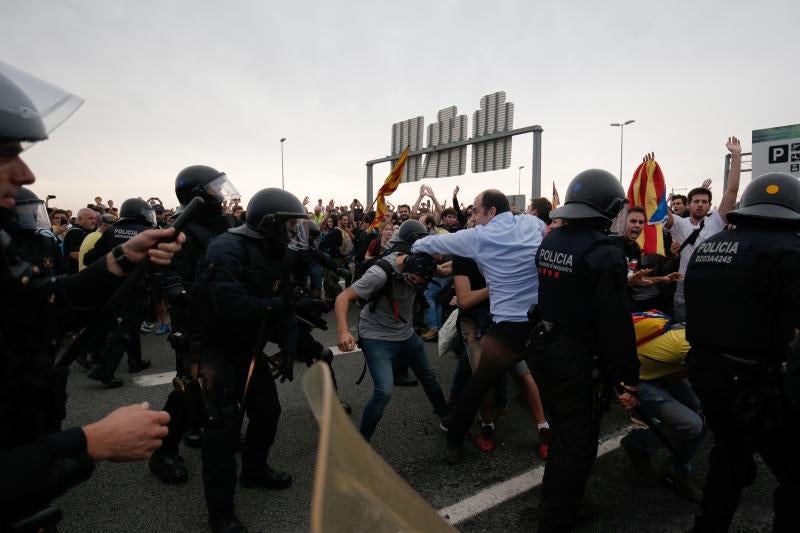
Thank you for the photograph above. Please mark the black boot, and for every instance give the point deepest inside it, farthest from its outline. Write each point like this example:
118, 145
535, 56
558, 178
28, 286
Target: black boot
225, 523
98, 374
138, 366
266, 478
168, 468
193, 438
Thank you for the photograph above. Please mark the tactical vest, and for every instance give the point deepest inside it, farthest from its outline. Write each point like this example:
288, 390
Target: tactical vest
32, 391
39, 248
734, 294
265, 273
198, 235
565, 284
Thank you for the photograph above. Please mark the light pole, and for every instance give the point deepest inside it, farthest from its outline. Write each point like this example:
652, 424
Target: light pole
621, 126
519, 179
282, 183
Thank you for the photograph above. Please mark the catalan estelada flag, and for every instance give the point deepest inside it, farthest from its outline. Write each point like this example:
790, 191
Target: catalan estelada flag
649, 191
556, 199
389, 186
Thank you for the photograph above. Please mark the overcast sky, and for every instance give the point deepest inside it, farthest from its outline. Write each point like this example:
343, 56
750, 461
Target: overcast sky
173, 83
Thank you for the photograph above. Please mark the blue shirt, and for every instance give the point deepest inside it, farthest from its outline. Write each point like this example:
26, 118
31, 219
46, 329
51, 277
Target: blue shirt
505, 250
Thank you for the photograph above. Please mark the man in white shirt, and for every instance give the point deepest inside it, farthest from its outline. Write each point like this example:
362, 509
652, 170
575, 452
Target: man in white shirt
700, 225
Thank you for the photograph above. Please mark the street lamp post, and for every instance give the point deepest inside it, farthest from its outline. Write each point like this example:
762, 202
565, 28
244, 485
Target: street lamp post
282, 182
519, 179
621, 126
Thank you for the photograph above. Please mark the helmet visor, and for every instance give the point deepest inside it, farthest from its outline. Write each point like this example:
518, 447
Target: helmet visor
54, 105
221, 189
298, 232
32, 216
149, 216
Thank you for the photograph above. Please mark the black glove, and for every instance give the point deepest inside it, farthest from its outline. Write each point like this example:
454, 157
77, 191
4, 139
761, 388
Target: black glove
277, 305
345, 274
281, 365
311, 306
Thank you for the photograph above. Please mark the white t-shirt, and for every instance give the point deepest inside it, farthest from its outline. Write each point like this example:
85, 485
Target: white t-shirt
683, 227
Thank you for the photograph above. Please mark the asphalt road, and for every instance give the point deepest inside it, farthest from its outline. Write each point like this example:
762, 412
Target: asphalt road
128, 498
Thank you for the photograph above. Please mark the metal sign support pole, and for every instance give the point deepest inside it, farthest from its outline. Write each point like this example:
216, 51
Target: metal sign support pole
369, 184
536, 164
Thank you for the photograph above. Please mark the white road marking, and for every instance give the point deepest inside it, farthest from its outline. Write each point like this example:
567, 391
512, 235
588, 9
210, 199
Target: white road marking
151, 380
506, 490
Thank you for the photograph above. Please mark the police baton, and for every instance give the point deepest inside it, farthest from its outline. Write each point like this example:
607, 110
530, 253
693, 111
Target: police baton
129, 285
652, 424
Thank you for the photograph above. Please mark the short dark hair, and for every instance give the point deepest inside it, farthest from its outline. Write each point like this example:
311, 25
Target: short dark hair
404, 205
637, 209
680, 197
449, 211
543, 208
699, 190
494, 198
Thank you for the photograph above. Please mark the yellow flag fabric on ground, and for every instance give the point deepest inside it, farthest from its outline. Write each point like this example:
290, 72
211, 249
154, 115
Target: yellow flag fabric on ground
354, 489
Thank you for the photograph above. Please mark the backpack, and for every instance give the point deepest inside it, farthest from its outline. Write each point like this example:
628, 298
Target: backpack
347, 244
363, 266
387, 291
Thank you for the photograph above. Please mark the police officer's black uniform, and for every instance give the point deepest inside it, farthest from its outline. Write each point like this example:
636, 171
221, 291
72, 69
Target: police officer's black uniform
209, 221
38, 460
136, 216
583, 301
743, 306
247, 290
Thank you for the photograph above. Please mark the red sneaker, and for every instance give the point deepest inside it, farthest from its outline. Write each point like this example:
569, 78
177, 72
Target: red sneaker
544, 443
485, 440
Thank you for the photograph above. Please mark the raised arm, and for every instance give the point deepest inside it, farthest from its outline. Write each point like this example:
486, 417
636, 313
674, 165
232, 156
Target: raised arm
415, 207
729, 198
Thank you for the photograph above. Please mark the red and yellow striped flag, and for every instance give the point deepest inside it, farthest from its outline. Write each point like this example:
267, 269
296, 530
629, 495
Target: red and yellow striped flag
648, 190
389, 186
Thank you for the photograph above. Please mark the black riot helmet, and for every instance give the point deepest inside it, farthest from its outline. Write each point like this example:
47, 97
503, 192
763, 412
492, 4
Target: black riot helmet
421, 264
31, 108
137, 210
593, 193
774, 196
208, 183
410, 231
272, 214
30, 211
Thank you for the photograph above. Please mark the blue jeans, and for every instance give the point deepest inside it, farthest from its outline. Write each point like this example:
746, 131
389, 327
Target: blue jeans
675, 406
380, 354
433, 316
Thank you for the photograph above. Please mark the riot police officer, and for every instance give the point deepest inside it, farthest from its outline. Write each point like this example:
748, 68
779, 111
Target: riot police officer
136, 216
585, 332
32, 235
39, 461
214, 187
743, 307
243, 297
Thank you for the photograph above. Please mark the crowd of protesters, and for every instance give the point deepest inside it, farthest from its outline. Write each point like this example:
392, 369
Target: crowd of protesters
352, 240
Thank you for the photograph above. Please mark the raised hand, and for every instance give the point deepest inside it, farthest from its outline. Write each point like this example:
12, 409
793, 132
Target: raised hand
305, 201
734, 146
455, 191
649, 157
706, 184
